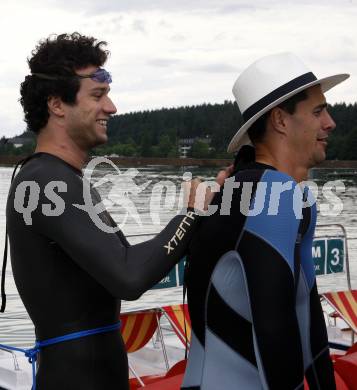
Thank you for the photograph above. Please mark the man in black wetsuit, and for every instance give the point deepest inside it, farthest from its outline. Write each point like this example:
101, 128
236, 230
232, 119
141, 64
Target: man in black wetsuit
256, 315
70, 274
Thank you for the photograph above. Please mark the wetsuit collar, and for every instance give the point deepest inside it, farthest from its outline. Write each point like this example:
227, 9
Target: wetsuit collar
45, 154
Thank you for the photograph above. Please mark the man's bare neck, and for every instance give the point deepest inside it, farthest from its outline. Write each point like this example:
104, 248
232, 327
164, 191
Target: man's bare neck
76, 158
53, 139
284, 163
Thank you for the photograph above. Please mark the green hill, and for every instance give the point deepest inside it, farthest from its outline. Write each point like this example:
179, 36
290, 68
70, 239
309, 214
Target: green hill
157, 133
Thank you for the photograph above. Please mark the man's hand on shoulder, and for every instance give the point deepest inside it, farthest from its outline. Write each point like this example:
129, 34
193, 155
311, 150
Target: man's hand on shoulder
199, 194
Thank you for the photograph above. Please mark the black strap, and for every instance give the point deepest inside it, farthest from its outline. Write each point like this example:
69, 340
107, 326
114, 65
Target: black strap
184, 291
297, 259
3, 274
303, 226
4, 263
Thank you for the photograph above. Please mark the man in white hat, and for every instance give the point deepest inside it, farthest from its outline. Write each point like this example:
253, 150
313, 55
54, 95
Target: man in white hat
256, 315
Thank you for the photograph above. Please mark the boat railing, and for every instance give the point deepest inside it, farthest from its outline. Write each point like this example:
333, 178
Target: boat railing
328, 231
330, 253
16, 363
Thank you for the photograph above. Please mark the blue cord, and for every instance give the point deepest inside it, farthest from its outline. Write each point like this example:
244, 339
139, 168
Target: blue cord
31, 353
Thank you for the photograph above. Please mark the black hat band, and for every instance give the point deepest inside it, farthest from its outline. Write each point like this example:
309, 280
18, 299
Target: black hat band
283, 90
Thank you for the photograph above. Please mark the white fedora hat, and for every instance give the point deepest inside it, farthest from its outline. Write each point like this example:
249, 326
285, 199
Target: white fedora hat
268, 82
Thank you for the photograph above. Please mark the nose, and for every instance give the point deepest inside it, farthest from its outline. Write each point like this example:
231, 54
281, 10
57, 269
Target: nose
328, 123
109, 106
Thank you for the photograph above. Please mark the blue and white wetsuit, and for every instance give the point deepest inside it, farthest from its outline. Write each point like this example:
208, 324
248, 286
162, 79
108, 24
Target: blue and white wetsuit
256, 315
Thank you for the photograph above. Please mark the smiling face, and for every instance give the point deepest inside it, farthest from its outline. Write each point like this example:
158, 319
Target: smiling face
309, 128
86, 120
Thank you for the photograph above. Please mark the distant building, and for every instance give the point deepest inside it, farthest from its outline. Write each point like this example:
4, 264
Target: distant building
17, 142
185, 144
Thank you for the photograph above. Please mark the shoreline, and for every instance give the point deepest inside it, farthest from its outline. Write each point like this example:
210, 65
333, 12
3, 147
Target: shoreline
201, 162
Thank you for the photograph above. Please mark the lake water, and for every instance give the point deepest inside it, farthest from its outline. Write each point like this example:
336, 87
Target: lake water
16, 328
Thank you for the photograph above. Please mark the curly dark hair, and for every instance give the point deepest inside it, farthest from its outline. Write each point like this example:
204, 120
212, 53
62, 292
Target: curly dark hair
58, 56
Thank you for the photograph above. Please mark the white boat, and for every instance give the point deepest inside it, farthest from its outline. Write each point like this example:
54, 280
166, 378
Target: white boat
150, 364
152, 361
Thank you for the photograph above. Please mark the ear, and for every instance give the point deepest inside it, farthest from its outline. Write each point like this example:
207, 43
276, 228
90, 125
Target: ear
55, 106
279, 120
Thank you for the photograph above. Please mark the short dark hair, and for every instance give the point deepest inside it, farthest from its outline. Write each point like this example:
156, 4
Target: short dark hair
257, 131
58, 56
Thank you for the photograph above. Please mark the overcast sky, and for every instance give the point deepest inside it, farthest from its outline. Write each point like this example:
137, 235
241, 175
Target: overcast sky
168, 53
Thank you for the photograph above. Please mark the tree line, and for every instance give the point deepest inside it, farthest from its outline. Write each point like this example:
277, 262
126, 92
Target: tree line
157, 133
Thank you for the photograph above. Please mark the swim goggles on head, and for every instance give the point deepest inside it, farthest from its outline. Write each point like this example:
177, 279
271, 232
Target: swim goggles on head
100, 76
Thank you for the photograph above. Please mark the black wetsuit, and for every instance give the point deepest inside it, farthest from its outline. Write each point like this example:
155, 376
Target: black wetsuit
256, 315
71, 275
